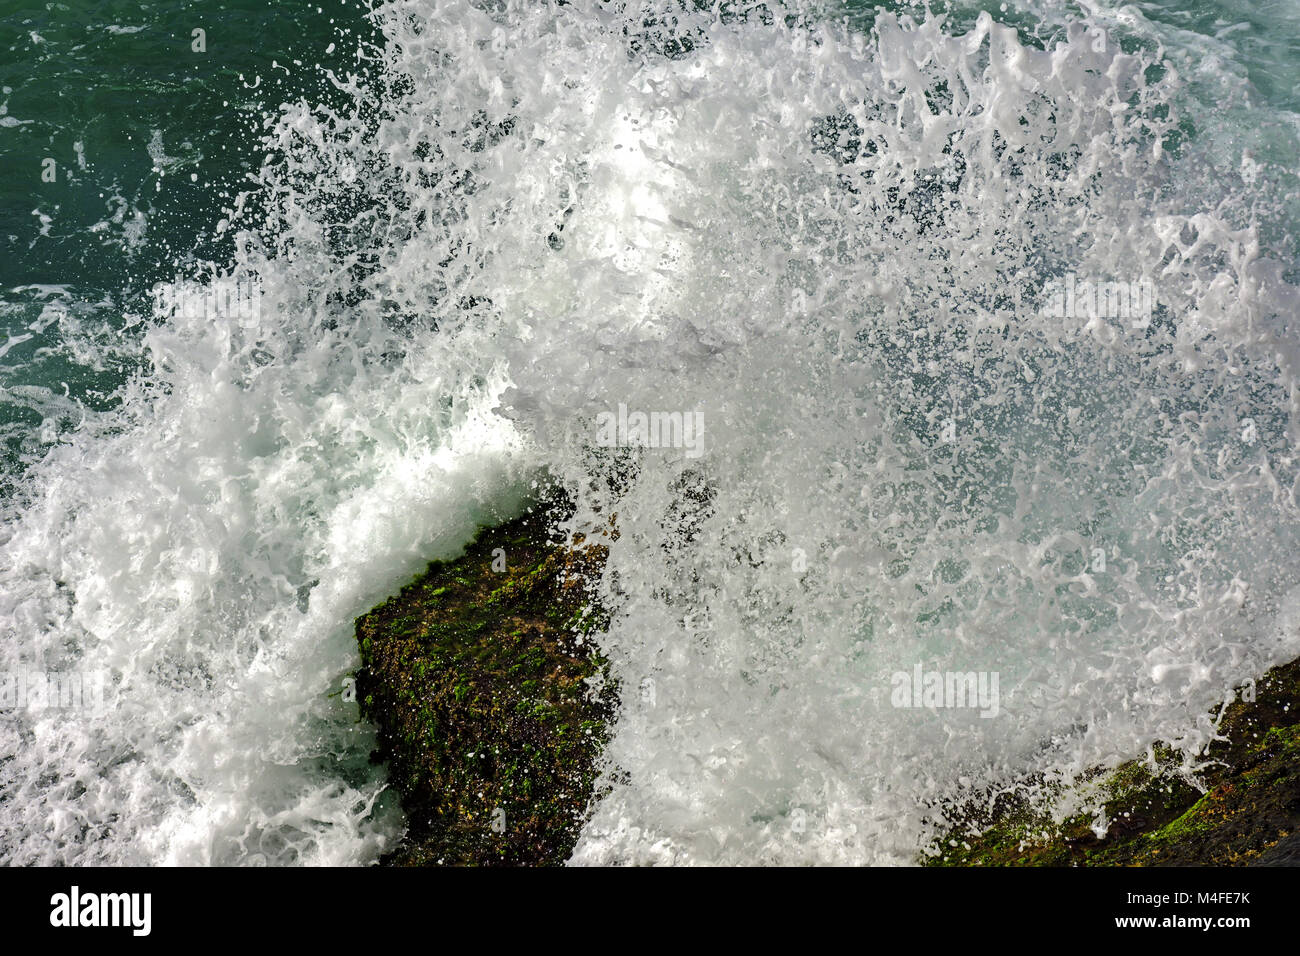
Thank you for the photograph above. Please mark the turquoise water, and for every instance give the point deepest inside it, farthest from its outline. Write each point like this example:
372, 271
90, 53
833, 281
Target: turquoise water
474, 227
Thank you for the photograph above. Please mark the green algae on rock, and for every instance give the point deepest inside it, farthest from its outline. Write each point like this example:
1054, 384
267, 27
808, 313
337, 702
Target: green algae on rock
1242, 807
492, 702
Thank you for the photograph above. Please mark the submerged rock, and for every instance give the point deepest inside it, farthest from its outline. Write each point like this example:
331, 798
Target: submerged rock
492, 702
1241, 807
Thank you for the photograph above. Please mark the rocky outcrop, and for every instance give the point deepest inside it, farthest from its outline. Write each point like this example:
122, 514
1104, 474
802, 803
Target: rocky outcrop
1241, 808
492, 703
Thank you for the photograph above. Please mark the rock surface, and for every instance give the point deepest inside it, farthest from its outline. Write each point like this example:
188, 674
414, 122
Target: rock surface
1241, 808
492, 705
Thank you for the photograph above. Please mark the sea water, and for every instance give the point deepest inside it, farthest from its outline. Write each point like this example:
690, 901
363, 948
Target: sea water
836, 240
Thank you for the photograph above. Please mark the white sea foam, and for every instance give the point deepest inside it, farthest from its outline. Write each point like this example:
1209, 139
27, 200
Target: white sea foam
831, 244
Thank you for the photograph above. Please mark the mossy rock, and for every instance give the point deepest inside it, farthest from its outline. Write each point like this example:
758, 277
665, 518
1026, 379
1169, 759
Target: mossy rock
1242, 808
492, 702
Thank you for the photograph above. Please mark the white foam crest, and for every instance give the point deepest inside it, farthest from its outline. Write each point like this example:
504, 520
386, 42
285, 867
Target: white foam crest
209, 552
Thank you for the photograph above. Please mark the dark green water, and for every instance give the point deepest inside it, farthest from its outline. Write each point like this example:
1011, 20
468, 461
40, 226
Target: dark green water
125, 138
